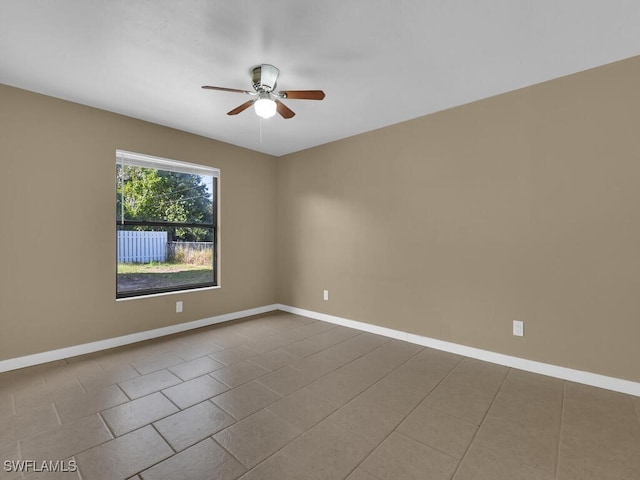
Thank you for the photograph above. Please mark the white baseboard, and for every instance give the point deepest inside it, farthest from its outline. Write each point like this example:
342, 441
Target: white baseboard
74, 351
578, 376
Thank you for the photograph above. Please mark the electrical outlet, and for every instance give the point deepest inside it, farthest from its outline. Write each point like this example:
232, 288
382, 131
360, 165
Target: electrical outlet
518, 328
326, 295
179, 307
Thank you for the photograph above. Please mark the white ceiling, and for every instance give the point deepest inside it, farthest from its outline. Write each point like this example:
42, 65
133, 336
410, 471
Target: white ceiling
379, 61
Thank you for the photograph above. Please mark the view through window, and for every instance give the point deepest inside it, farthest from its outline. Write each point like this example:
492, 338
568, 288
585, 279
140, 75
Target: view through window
166, 225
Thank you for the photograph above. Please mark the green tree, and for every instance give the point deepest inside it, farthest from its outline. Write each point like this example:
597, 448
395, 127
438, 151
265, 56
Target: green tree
147, 194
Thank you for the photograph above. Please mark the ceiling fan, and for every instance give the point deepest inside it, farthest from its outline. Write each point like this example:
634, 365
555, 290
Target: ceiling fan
266, 101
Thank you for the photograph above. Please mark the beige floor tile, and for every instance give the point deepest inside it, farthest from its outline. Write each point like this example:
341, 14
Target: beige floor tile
399, 397
439, 430
256, 437
529, 387
232, 355
478, 374
483, 464
599, 417
298, 333
193, 424
573, 469
395, 352
597, 437
6, 406
426, 369
285, 381
402, 457
124, 456
228, 340
253, 328
599, 396
461, 401
317, 365
527, 444
160, 345
275, 359
338, 387
65, 370
28, 423
156, 362
138, 413
47, 394
194, 391
360, 474
114, 357
147, 384
66, 469
599, 450
242, 401
9, 453
303, 348
313, 328
355, 347
335, 335
110, 376
61, 475
309, 331
204, 461
278, 467
543, 414
284, 321
303, 408
364, 370
238, 373
195, 368
92, 402
262, 345
368, 419
196, 349
328, 451
39, 369
339, 382
16, 380
66, 440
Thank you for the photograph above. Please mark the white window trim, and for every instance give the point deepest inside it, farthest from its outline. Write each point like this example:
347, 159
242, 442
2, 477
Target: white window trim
133, 159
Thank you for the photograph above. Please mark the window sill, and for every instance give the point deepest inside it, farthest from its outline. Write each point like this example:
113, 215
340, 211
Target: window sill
163, 294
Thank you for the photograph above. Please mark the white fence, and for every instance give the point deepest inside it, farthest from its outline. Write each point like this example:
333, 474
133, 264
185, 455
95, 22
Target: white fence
141, 247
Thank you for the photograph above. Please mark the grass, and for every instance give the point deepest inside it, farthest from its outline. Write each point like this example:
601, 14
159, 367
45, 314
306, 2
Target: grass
187, 267
159, 267
193, 256
147, 276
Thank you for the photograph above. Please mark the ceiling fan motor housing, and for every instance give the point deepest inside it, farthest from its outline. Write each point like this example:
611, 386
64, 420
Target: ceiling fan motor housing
264, 77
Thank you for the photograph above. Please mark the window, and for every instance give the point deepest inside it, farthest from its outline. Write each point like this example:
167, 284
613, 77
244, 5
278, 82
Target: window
166, 225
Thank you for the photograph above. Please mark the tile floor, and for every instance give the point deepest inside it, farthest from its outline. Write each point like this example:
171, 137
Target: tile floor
283, 397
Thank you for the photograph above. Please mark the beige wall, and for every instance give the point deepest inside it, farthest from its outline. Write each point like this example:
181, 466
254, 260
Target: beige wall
57, 241
523, 206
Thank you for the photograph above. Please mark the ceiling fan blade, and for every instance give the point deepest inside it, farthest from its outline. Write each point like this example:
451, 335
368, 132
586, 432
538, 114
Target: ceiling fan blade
283, 110
241, 108
224, 89
303, 94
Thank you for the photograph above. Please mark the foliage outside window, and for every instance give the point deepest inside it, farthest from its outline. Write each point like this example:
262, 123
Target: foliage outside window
166, 225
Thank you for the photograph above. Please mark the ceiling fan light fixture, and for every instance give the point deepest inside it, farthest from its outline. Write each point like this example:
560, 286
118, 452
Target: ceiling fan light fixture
266, 101
265, 107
